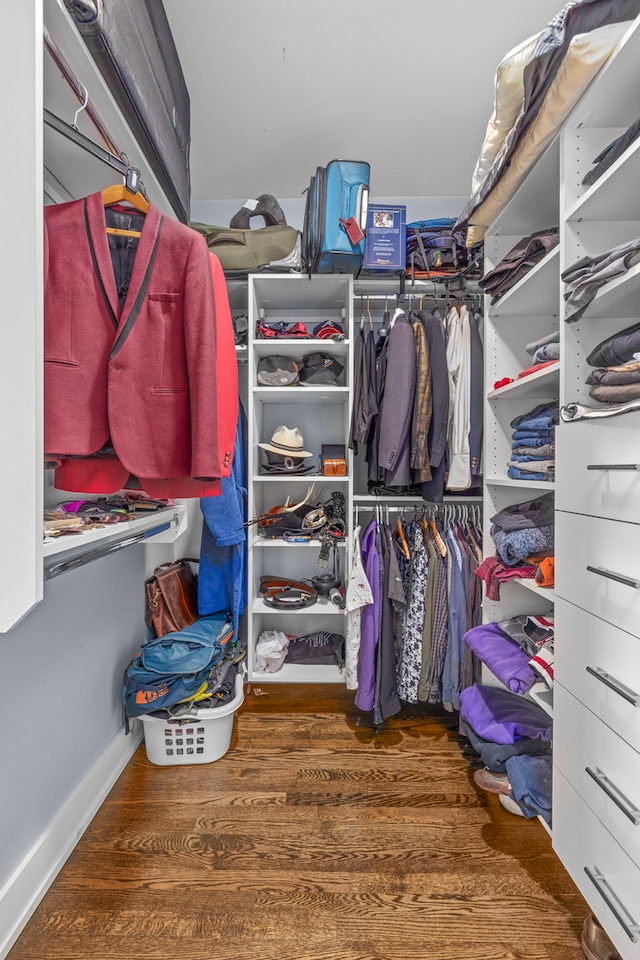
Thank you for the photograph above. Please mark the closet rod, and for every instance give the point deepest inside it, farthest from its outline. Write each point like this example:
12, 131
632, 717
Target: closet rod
419, 504
64, 566
416, 294
130, 173
369, 500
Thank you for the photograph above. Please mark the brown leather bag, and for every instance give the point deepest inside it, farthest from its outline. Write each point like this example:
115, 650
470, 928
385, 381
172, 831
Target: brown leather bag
171, 597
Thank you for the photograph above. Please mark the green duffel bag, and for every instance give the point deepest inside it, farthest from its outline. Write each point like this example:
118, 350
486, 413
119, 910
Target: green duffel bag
247, 251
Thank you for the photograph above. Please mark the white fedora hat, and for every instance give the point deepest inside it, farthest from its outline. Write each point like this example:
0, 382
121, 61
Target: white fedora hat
288, 443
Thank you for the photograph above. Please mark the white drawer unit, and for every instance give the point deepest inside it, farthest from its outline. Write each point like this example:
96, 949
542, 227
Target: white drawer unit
600, 665
606, 877
598, 467
601, 767
598, 567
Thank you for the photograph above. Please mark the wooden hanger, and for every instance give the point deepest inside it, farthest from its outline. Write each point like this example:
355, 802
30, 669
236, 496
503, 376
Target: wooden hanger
119, 193
401, 539
435, 533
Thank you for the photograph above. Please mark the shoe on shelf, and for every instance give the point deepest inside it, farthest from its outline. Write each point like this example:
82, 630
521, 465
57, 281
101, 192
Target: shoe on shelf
595, 943
494, 782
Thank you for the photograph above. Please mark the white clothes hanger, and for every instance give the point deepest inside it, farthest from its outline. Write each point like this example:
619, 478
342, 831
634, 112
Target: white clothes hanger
396, 313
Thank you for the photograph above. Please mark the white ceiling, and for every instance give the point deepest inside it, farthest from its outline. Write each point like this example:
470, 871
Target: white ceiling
280, 87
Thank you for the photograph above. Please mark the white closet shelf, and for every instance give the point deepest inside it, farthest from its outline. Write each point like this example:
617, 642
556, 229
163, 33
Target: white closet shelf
614, 196
266, 542
612, 99
537, 384
322, 606
618, 298
538, 290
534, 205
302, 394
547, 592
264, 348
300, 673
68, 544
307, 478
543, 696
525, 484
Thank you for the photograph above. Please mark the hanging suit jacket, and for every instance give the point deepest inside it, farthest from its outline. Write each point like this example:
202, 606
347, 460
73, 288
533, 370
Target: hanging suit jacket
138, 377
394, 449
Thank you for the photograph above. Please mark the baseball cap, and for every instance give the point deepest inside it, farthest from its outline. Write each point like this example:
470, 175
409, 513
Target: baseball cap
277, 371
329, 330
320, 368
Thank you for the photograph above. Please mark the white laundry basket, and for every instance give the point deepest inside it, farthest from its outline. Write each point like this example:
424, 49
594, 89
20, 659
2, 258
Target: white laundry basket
203, 737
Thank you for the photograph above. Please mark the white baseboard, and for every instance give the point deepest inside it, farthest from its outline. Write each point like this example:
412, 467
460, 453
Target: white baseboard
24, 890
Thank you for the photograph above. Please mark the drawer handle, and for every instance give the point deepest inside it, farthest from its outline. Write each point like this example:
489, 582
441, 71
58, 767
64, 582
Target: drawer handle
613, 466
618, 797
628, 924
625, 692
618, 577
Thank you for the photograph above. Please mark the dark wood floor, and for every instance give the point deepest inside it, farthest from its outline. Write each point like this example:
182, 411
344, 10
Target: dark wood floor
314, 838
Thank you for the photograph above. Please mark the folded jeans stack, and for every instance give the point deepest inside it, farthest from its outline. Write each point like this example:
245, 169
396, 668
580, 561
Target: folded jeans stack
533, 445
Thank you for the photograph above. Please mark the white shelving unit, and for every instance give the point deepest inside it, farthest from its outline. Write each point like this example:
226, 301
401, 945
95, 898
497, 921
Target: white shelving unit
323, 415
596, 696
596, 780
528, 311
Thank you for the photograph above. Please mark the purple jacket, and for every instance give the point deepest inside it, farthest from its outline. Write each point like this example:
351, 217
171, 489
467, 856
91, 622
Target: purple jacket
503, 717
369, 622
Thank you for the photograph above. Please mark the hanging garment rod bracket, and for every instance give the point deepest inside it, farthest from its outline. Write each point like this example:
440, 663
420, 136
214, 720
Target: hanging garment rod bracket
52, 570
129, 172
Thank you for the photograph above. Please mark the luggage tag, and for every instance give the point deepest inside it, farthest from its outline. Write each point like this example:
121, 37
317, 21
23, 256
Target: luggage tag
352, 229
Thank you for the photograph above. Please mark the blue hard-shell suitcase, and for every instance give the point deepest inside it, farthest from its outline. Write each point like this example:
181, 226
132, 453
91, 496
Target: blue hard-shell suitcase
337, 193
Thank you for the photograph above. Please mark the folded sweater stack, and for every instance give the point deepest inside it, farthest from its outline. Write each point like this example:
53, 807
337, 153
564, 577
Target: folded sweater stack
518, 651
518, 262
616, 362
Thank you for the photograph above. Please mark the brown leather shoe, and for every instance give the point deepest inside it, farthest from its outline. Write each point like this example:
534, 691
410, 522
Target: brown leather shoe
595, 943
494, 782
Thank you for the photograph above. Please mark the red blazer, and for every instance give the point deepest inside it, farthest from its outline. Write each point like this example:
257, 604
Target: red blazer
142, 377
226, 368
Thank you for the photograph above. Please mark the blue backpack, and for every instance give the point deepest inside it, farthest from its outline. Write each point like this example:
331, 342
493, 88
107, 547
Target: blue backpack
174, 667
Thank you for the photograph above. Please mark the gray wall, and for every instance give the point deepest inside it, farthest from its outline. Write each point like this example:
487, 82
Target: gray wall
62, 669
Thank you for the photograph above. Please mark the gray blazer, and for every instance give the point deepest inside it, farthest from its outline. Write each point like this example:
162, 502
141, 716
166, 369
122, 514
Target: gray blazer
397, 406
